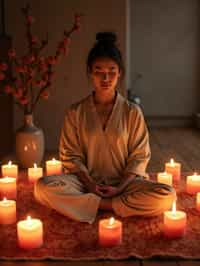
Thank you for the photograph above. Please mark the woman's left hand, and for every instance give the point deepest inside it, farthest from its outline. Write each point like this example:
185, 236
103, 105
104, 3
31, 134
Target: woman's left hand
107, 191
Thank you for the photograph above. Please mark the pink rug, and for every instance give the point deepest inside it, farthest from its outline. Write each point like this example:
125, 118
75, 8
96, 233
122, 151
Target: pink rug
69, 240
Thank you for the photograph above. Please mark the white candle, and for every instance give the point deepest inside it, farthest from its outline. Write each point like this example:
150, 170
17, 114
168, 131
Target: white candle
165, 178
173, 168
9, 170
30, 233
7, 211
110, 232
53, 167
8, 187
193, 184
174, 223
34, 173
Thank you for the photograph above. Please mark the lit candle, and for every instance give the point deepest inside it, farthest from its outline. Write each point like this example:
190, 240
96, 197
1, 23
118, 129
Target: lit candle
8, 187
173, 168
193, 184
174, 223
110, 232
30, 233
7, 211
53, 167
198, 201
165, 178
9, 170
34, 173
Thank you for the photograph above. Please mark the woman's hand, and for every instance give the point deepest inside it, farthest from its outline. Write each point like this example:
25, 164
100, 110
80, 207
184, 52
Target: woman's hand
107, 191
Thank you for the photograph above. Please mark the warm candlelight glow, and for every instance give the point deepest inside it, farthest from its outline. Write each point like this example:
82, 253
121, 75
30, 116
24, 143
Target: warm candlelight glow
165, 178
30, 233
174, 207
53, 167
193, 184
110, 232
9, 169
198, 201
34, 173
172, 162
8, 187
173, 168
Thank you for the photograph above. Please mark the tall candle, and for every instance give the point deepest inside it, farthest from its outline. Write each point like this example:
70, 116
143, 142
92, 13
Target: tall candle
30, 233
34, 173
8, 187
165, 178
110, 232
193, 184
7, 211
198, 201
174, 223
53, 167
173, 168
9, 169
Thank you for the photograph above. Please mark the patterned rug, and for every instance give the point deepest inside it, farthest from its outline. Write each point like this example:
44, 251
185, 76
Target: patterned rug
69, 240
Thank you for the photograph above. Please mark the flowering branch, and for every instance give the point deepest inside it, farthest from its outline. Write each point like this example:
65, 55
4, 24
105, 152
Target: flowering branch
32, 73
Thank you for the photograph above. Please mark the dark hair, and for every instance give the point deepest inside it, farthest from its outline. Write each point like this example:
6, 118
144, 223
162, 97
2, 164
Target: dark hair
105, 47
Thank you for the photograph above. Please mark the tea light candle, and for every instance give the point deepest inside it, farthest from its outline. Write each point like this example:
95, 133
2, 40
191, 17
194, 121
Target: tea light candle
8, 187
30, 233
110, 232
34, 173
53, 167
174, 223
198, 201
173, 168
193, 184
165, 178
9, 170
7, 211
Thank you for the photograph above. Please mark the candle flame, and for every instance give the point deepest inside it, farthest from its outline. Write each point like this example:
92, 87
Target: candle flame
4, 199
111, 221
172, 161
9, 163
174, 207
35, 165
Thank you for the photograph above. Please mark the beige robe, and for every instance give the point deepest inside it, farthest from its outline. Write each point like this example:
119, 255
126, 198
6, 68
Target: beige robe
106, 155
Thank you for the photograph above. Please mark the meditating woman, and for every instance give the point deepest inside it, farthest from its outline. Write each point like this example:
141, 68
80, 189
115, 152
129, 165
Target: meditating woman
104, 149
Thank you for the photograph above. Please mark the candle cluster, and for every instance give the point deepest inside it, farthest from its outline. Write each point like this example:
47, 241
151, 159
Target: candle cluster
29, 231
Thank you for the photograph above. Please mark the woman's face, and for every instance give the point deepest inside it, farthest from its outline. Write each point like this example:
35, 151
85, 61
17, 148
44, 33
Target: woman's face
104, 74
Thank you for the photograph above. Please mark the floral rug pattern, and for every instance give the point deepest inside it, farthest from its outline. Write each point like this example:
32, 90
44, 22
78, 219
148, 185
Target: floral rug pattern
69, 240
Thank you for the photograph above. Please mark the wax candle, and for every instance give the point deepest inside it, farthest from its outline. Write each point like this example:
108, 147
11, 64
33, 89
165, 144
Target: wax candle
165, 178
8, 187
173, 168
174, 223
30, 233
110, 232
198, 201
34, 173
7, 211
193, 184
53, 167
9, 170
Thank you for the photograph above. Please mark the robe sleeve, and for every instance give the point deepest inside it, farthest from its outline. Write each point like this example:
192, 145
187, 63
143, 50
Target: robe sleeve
70, 152
138, 144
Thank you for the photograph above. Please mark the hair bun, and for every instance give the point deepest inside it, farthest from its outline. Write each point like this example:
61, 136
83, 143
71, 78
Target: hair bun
106, 37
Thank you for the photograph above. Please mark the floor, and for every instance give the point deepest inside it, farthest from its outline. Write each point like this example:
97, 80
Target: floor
181, 144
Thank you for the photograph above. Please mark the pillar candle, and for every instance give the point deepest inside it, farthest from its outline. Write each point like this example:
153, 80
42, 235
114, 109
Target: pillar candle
174, 223
165, 178
9, 170
7, 211
30, 233
53, 167
110, 232
8, 187
193, 184
173, 168
34, 173
198, 201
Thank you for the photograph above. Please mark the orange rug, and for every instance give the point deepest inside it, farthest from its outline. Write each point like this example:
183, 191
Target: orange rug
69, 240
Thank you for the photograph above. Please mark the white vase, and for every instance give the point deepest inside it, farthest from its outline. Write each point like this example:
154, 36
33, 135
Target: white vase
29, 143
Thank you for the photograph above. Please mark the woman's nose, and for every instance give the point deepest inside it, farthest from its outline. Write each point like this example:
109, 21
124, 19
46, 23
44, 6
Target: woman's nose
105, 76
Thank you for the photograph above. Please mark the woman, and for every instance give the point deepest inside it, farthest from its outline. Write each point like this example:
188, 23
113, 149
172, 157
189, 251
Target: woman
104, 149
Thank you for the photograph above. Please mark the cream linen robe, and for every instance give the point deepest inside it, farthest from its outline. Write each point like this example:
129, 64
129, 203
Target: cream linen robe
106, 155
